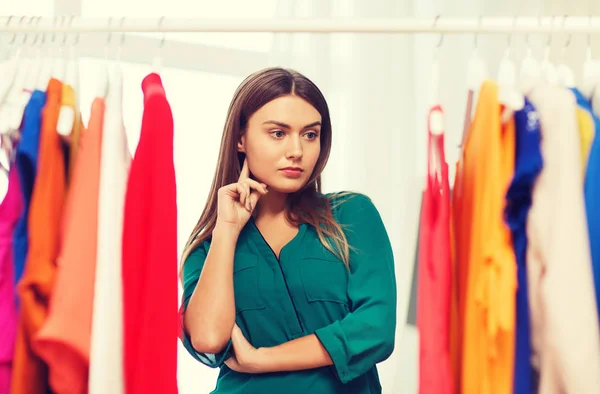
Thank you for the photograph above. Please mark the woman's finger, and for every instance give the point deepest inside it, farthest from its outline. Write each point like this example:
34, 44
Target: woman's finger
247, 191
245, 172
259, 187
243, 192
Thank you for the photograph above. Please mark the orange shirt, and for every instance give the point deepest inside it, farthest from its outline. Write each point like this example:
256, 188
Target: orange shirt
460, 228
64, 340
30, 373
489, 302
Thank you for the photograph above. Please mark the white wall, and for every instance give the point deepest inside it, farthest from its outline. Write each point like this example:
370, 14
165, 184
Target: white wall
377, 88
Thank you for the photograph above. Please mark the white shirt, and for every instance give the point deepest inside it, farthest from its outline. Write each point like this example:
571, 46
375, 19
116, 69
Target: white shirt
106, 352
565, 335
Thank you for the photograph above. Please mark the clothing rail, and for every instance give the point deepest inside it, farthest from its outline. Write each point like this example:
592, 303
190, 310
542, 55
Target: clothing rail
443, 25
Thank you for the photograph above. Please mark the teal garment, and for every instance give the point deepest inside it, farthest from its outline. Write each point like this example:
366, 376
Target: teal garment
310, 291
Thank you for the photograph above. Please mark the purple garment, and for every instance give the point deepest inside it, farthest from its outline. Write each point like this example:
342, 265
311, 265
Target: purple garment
10, 210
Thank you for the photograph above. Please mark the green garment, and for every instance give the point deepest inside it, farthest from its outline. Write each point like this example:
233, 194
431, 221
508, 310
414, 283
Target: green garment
309, 290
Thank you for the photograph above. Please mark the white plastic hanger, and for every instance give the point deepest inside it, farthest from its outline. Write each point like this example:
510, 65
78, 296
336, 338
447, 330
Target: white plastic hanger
548, 69
66, 115
45, 67
8, 68
102, 74
591, 70
59, 63
157, 60
11, 108
115, 79
565, 74
23, 94
476, 67
508, 95
477, 73
36, 62
530, 72
436, 120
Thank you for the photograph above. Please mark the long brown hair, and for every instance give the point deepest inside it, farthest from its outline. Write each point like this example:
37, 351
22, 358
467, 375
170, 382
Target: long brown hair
304, 206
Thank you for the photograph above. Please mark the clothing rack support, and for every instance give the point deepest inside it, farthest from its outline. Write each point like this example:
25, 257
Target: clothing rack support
439, 25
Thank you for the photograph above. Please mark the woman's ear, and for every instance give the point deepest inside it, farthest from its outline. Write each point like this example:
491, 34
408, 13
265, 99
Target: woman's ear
241, 146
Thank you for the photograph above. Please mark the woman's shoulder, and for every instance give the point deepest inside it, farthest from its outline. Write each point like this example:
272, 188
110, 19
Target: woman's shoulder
345, 204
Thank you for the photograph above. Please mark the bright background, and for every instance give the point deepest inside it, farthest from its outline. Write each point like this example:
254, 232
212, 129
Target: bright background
376, 86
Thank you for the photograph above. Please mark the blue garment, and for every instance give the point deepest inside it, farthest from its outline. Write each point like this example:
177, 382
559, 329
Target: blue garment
592, 194
528, 164
26, 161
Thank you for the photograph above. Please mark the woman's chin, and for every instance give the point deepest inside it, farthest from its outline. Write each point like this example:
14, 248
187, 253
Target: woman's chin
287, 186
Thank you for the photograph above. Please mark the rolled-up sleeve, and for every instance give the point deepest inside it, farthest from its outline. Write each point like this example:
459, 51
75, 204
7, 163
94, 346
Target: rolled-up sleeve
191, 273
366, 335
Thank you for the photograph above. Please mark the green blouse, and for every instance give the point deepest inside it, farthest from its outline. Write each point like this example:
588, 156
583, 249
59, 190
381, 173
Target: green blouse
309, 290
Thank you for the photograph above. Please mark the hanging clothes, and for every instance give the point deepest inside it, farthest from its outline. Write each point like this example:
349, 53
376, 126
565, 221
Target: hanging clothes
564, 320
69, 99
460, 227
528, 164
433, 299
585, 126
106, 349
150, 252
30, 374
26, 161
10, 210
592, 190
488, 341
64, 340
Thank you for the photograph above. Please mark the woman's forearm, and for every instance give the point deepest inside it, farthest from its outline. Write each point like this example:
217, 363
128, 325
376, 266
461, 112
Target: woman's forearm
302, 353
210, 314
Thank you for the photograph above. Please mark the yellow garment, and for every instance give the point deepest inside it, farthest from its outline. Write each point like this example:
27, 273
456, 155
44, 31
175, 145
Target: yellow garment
585, 125
489, 325
68, 98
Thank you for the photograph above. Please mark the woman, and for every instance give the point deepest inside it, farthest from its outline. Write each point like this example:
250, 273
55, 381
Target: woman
286, 289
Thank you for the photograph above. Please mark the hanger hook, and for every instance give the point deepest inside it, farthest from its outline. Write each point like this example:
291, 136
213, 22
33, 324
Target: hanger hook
65, 34
54, 24
510, 35
12, 41
476, 37
162, 41
26, 36
549, 41
76, 34
43, 34
24, 33
589, 39
568, 42
37, 34
122, 32
109, 38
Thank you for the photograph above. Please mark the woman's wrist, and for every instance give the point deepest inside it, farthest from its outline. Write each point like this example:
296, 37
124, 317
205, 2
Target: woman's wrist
225, 230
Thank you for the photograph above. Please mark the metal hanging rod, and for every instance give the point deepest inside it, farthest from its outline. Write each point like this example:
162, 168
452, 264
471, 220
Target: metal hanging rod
443, 25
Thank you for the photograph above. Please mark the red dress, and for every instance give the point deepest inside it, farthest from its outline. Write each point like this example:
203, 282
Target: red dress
150, 298
433, 297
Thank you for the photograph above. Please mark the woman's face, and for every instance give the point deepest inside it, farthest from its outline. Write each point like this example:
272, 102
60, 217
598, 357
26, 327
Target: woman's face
282, 143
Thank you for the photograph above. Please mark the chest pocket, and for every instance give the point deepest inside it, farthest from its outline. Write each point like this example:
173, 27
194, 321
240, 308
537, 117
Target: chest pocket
325, 279
246, 283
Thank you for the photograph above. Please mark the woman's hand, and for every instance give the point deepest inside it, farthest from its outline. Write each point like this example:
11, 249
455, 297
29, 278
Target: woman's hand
236, 201
246, 358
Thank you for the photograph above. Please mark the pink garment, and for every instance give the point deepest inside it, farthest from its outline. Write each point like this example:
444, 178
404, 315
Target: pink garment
10, 210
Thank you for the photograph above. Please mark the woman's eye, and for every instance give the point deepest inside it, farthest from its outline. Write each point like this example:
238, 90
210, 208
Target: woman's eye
311, 135
277, 134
